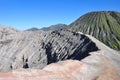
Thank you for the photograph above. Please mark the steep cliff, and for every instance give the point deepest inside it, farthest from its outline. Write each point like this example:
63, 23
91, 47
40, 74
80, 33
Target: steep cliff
28, 49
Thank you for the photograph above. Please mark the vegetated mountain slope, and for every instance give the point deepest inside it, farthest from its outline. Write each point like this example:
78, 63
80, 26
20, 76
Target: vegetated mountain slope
54, 27
103, 25
32, 29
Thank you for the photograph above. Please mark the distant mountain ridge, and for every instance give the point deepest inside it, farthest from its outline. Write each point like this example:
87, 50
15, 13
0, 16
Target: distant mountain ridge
54, 27
103, 25
32, 29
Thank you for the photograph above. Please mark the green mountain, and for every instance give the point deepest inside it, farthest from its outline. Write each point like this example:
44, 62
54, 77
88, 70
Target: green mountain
103, 25
32, 29
54, 27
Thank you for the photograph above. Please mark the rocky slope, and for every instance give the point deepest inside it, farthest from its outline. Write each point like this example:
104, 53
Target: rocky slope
103, 25
97, 66
26, 54
29, 49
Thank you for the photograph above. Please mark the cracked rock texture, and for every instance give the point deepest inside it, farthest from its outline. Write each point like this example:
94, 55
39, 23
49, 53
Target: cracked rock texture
55, 55
27, 49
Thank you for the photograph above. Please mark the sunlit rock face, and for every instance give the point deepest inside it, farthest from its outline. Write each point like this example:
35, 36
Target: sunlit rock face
97, 66
55, 55
36, 49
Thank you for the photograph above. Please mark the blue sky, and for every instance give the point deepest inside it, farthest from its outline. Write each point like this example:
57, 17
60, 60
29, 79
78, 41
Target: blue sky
24, 14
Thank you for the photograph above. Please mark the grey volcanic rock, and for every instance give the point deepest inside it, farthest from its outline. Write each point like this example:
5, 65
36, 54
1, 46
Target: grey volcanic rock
36, 49
38, 52
28, 49
97, 66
